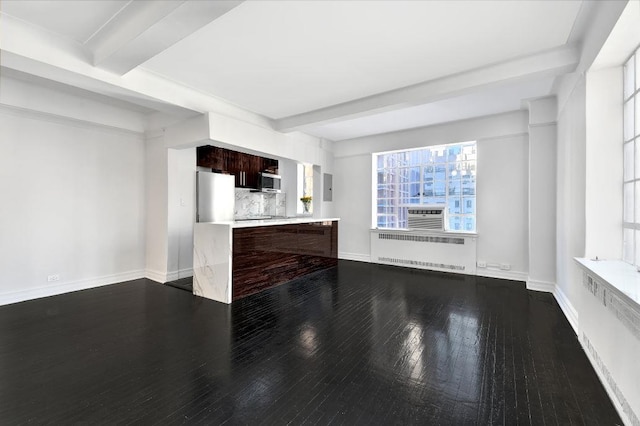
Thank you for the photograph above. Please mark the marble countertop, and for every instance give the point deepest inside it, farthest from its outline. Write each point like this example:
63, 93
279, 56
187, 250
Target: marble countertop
275, 221
620, 275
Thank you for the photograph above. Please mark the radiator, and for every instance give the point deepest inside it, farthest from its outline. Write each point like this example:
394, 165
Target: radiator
424, 250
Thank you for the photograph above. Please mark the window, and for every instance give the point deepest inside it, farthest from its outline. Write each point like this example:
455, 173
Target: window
631, 154
444, 174
305, 188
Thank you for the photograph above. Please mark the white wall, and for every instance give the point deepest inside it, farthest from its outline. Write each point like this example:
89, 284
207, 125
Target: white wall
603, 196
542, 194
502, 204
570, 197
502, 185
352, 197
156, 197
73, 202
181, 199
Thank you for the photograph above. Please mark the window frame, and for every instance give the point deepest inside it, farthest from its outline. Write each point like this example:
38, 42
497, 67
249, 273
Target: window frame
403, 183
631, 160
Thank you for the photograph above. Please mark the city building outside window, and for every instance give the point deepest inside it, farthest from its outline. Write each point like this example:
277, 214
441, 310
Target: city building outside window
436, 175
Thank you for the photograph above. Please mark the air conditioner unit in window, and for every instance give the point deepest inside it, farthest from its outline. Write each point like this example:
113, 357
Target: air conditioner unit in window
427, 217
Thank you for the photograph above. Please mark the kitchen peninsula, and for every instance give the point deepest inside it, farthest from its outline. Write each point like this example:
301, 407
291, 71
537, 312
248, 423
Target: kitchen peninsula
236, 258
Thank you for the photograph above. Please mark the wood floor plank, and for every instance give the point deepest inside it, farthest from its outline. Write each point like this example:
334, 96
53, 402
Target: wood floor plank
357, 344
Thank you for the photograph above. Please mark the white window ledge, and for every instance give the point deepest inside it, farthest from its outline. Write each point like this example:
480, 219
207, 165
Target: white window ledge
620, 275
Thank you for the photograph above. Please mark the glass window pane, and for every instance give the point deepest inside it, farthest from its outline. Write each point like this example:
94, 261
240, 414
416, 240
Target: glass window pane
628, 202
637, 161
439, 154
415, 158
637, 56
637, 203
454, 153
469, 223
628, 161
455, 223
629, 76
469, 205
427, 190
637, 130
627, 250
455, 186
427, 156
414, 174
428, 172
455, 205
628, 120
439, 188
435, 200
637, 260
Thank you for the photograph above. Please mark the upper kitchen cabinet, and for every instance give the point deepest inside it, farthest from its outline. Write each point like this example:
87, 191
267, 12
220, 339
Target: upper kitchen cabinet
213, 158
245, 167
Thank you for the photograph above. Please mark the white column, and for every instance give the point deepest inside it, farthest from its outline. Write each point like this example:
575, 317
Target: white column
542, 194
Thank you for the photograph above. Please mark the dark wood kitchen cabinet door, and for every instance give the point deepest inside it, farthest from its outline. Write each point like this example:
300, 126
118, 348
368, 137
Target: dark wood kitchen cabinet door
213, 158
245, 167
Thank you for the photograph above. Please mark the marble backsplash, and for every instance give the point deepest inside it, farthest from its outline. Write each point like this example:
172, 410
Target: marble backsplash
251, 204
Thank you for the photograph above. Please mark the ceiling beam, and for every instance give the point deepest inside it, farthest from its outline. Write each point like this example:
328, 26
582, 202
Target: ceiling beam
142, 29
32, 50
548, 63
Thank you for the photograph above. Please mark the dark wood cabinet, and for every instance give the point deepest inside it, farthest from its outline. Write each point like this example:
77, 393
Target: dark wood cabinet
245, 167
213, 158
266, 256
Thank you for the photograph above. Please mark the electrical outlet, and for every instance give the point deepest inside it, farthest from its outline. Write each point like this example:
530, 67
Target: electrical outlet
482, 264
54, 277
505, 266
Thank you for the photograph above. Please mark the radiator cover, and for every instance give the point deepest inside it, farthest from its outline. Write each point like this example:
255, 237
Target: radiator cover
436, 251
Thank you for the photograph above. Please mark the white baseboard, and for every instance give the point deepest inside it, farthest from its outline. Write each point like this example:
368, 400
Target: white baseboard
163, 277
159, 277
537, 285
621, 404
52, 290
354, 256
181, 273
503, 275
567, 308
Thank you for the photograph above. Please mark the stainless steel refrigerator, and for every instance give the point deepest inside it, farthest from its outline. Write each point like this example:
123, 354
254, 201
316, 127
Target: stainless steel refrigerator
215, 194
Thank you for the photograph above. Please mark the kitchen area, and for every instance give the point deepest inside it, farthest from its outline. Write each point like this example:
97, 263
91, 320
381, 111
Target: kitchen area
255, 224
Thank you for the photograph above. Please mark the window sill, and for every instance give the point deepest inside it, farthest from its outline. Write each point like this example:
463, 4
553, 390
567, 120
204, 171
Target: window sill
622, 278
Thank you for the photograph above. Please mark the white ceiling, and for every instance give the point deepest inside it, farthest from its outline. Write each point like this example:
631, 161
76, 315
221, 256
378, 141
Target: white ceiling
493, 101
77, 20
281, 58
335, 69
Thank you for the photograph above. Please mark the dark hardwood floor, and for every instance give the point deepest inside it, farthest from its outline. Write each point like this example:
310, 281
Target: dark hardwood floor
356, 344
185, 284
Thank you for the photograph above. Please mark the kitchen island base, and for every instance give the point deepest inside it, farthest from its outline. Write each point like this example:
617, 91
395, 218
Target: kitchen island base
236, 259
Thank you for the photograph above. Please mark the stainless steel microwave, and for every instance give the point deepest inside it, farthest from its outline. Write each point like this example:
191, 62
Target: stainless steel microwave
268, 182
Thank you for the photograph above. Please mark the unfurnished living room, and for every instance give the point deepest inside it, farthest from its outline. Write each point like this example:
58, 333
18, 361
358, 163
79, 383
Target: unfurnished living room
320, 212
